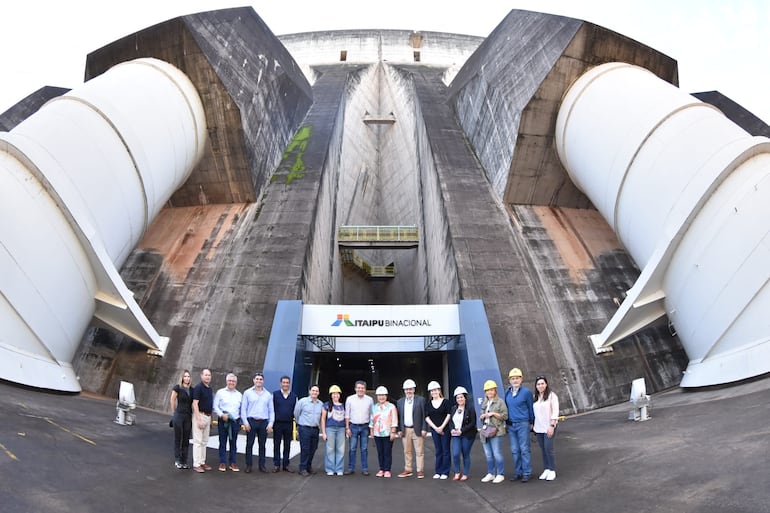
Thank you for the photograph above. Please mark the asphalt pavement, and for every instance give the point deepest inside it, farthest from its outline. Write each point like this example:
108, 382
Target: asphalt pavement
705, 451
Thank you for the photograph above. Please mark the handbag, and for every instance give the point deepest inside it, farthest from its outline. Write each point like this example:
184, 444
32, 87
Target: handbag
171, 422
488, 431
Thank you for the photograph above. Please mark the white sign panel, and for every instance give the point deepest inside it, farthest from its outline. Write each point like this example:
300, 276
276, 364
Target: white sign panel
380, 320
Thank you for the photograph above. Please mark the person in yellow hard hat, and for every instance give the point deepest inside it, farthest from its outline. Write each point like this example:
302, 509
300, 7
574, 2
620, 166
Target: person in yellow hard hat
333, 432
493, 415
521, 418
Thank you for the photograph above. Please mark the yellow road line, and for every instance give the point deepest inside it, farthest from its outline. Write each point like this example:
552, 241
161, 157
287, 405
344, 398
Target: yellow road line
9, 453
62, 428
70, 432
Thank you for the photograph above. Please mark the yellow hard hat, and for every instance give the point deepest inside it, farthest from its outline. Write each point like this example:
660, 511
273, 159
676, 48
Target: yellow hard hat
335, 388
489, 385
515, 372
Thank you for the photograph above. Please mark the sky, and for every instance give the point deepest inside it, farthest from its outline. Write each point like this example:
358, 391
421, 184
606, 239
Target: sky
721, 45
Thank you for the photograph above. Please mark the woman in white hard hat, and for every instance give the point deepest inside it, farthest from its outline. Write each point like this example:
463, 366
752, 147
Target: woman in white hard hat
463, 433
384, 425
493, 415
438, 412
333, 432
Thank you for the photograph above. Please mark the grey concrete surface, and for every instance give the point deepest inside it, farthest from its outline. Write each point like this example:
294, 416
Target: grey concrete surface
700, 452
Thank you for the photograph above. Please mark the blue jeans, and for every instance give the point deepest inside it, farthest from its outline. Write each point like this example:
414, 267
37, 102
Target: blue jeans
259, 431
308, 443
518, 437
359, 435
281, 434
461, 446
335, 449
493, 450
441, 443
384, 452
546, 448
228, 433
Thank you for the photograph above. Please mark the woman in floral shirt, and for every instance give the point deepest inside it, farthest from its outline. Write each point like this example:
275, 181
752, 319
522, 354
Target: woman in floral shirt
383, 427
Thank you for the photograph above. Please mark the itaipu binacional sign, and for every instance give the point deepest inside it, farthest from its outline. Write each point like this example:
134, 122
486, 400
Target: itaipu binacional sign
380, 320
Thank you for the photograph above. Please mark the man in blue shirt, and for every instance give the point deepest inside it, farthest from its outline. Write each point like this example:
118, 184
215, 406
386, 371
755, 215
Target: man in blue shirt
308, 415
257, 415
521, 419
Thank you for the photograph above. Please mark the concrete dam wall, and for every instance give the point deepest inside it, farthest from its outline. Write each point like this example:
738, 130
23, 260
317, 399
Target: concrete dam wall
452, 134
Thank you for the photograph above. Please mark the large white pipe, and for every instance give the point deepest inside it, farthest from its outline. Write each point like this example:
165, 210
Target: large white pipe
81, 180
687, 193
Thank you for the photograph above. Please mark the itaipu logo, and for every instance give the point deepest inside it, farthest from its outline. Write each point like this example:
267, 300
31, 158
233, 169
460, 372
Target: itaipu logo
343, 318
383, 323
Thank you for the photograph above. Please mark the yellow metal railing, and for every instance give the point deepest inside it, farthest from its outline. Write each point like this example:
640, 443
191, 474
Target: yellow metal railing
353, 259
378, 234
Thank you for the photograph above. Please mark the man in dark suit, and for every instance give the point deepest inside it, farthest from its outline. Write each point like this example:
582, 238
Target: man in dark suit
412, 428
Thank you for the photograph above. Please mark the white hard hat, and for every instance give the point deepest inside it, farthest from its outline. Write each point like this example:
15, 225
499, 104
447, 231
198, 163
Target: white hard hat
381, 390
460, 390
433, 385
409, 384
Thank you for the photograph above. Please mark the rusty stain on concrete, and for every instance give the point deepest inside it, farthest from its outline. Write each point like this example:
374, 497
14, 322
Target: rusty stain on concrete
579, 235
182, 234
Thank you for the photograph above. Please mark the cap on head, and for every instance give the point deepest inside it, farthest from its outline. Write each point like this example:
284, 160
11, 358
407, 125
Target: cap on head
433, 385
409, 383
515, 373
335, 388
381, 390
459, 390
489, 385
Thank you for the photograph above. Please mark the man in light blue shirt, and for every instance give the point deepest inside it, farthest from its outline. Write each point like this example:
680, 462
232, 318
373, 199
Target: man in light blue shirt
258, 416
308, 415
227, 408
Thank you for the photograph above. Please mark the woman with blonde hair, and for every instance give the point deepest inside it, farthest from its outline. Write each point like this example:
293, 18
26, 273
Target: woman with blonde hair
494, 412
181, 405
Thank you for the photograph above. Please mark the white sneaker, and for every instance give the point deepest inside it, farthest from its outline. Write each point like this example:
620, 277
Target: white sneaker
436, 476
499, 478
487, 478
551, 475
544, 474
443, 476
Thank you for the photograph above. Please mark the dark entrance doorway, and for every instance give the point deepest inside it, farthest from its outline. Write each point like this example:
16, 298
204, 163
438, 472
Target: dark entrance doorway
388, 369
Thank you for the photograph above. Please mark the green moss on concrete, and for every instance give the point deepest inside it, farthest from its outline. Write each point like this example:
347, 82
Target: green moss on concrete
292, 165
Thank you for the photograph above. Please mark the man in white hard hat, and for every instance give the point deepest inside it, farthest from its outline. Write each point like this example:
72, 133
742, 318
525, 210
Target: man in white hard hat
412, 428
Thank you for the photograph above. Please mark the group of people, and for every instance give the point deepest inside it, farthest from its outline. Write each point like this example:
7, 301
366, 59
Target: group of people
517, 413
258, 410
453, 427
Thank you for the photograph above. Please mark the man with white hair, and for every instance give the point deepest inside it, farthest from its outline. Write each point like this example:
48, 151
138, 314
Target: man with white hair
227, 407
412, 429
